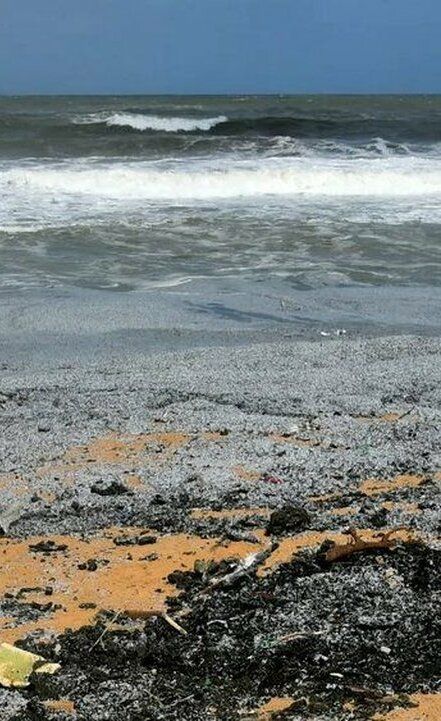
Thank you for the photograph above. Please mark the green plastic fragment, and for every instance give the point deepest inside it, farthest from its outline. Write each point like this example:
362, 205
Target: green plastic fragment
17, 665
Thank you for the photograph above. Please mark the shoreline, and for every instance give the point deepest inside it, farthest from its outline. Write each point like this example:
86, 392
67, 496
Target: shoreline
40, 329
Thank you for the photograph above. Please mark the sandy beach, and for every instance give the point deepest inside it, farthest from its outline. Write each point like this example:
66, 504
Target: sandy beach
222, 504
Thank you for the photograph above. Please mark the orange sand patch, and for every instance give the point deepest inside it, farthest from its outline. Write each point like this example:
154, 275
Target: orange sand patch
325, 497
125, 450
133, 482
245, 474
125, 579
373, 486
212, 436
274, 706
206, 513
113, 449
289, 547
401, 506
344, 511
293, 439
427, 708
62, 705
388, 417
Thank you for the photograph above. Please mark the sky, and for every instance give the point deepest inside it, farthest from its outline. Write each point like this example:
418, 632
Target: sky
220, 46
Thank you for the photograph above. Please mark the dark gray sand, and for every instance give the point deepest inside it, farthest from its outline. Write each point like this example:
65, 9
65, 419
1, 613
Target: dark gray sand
137, 430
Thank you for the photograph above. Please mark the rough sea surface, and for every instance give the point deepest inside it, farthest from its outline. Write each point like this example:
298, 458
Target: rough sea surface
130, 193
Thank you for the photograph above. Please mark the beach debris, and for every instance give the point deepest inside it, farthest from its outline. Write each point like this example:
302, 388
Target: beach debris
140, 614
47, 547
109, 487
142, 540
17, 665
339, 332
288, 519
297, 636
243, 567
334, 551
90, 565
274, 480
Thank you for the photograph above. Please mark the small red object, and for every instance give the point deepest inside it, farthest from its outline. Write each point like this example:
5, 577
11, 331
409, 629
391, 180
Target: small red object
272, 479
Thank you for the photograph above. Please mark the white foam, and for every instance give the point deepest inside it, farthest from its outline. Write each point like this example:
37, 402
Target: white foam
388, 178
137, 121
21, 228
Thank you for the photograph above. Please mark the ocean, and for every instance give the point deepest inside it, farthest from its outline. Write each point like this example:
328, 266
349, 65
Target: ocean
133, 193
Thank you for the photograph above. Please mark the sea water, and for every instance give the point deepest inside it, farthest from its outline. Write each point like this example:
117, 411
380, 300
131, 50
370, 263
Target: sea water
128, 193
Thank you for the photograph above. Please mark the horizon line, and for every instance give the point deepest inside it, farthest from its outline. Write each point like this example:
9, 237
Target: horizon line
223, 95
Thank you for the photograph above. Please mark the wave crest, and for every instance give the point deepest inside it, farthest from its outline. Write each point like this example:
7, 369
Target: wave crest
140, 122
299, 177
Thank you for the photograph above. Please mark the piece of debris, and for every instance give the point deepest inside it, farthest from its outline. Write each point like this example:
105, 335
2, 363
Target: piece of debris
141, 614
17, 665
134, 540
297, 636
288, 519
335, 551
243, 567
43, 427
275, 480
109, 487
47, 547
146, 540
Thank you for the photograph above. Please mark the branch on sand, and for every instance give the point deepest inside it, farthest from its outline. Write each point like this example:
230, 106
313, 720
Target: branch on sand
337, 551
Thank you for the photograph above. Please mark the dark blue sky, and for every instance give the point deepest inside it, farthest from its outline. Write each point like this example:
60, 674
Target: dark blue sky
220, 46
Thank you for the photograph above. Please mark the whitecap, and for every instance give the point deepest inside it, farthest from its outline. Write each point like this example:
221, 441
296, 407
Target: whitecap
141, 122
391, 177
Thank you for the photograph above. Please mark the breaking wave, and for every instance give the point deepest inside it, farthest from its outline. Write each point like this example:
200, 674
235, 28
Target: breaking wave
279, 177
137, 121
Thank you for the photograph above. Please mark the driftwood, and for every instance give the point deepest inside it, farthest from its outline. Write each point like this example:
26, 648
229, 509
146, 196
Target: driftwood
338, 551
137, 614
242, 569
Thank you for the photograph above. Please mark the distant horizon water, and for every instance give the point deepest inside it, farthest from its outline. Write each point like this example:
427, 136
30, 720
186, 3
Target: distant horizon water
349, 94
